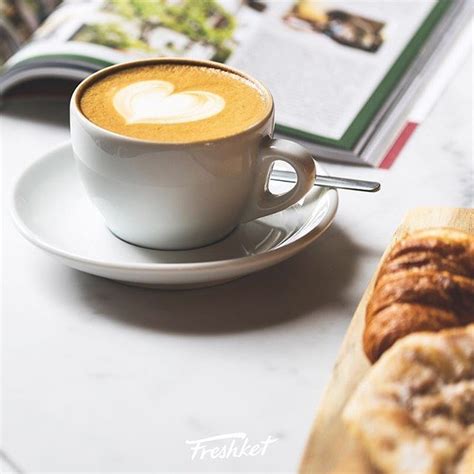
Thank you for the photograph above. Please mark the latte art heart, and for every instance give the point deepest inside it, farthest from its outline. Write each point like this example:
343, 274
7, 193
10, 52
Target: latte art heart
173, 102
155, 102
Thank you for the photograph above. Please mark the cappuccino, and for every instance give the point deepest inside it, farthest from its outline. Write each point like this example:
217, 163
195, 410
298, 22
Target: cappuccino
174, 103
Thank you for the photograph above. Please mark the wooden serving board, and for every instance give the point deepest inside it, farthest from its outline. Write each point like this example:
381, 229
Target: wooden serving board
330, 448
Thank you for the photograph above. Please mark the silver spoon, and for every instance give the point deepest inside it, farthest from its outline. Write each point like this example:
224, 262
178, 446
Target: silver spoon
329, 181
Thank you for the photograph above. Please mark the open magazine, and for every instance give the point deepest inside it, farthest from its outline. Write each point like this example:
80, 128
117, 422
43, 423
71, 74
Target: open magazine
337, 69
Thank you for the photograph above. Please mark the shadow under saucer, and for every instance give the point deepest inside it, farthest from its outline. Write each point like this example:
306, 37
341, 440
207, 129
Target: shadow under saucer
313, 279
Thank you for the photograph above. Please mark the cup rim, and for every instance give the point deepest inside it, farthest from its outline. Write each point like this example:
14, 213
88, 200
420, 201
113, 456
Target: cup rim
169, 60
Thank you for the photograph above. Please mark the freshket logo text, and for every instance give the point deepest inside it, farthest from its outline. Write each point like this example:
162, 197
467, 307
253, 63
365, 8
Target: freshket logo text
230, 445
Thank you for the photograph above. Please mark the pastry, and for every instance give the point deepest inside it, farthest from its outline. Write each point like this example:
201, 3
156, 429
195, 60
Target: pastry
426, 283
414, 410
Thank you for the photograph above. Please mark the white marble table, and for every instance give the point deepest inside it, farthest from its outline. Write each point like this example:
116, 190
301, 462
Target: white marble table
100, 377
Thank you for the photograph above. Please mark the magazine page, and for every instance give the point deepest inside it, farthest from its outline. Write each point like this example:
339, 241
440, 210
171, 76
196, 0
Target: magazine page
321, 78
321, 59
18, 21
111, 31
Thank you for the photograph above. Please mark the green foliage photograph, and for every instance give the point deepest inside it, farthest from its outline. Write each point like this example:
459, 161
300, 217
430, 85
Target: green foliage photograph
201, 21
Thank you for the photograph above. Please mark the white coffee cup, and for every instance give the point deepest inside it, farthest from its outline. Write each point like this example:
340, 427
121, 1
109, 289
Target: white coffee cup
179, 196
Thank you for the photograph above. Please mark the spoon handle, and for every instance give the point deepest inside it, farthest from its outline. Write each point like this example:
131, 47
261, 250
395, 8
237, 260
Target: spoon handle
329, 181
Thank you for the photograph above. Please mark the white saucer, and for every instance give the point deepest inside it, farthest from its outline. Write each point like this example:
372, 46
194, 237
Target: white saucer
52, 211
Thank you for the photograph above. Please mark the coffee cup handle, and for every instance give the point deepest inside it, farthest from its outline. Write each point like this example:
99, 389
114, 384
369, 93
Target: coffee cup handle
261, 201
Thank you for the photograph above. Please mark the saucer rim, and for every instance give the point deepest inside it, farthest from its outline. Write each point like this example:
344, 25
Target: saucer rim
245, 261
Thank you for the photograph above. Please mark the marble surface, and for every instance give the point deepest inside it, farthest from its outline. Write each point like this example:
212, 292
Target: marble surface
100, 377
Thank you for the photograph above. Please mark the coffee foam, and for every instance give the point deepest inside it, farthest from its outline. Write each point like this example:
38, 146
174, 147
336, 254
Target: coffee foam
174, 103
156, 102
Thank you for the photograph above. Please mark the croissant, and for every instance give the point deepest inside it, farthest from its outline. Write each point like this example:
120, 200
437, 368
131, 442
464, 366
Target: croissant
426, 283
